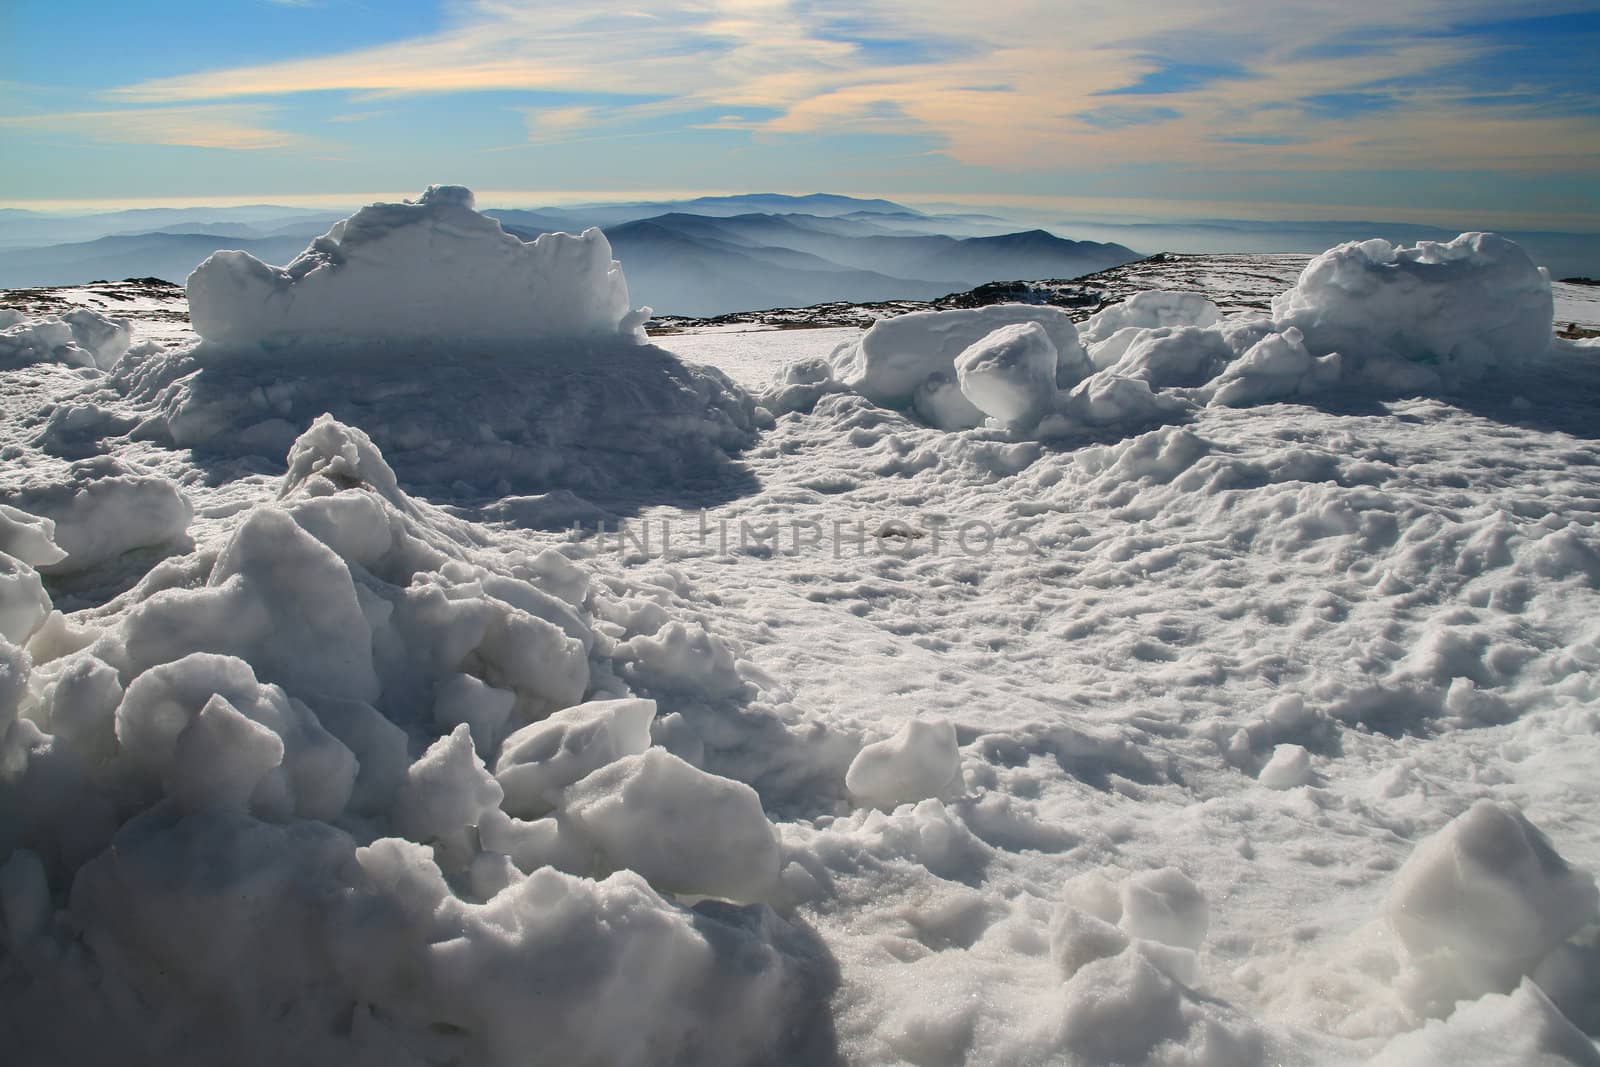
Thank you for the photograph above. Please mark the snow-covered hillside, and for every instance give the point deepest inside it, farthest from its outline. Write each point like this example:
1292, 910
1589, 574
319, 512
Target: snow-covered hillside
565, 697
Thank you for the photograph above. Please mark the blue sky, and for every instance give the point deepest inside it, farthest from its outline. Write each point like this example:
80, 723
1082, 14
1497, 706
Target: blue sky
1404, 109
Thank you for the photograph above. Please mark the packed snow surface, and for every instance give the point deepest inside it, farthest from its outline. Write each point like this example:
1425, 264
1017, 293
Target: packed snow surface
1240, 711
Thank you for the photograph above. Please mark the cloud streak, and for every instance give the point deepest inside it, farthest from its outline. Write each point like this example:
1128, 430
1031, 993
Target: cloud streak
1017, 85
237, 127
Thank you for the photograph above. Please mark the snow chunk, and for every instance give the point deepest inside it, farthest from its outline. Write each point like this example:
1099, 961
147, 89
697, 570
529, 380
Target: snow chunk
329, 456
940, 403
24, 604
276, 597
1481, 902
1078, 938
79, 338
105, 508
540, 760
684, 830
428, 269
15, 668
1523, 1028
1277, 367
1010, 375
220, 758
896, 356
462, 699
1107, 399
1462, 308
29, 538
915, 764
1289, 767
446, 791
1164, 906
1149, 310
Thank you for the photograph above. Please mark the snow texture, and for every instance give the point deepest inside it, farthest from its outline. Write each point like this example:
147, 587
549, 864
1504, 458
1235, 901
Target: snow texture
345, 772
207, 790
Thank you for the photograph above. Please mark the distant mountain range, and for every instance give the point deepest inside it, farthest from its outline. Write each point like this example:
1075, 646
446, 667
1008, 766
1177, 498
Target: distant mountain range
715, 255
707, 256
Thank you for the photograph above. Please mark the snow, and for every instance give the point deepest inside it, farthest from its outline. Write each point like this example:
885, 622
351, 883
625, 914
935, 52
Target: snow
1182, 732
550, 381
683, 829
103, 508
1010, 374
1365, 318
1289, 767
1277, 367
896, 356
540, 760
1151, 309
1480, 903
1461, 308
78, 338
918, 762
430, 269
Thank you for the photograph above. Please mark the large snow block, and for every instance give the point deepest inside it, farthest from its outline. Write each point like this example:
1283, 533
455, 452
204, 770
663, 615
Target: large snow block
1481, 902
1010, 375
684, 830
1462, 308
432, 268
896, 356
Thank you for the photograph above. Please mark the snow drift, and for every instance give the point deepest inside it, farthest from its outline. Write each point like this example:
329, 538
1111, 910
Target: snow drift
1366, 317
550, 383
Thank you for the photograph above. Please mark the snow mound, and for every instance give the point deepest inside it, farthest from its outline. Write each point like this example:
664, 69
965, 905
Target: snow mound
1277, 367
429, 269
1460, 308
896, 356
79, 338
1480, 903
550, 384
103, 508
1010, 375
1148, 310
683, 829
246, 809
542, 759
1366, 317
1289, 768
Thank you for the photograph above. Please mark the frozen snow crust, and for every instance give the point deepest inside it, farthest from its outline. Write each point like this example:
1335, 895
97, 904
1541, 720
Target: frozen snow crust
1367, 318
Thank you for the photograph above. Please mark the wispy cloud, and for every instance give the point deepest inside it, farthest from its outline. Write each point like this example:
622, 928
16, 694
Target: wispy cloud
1016, 84
241, 127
